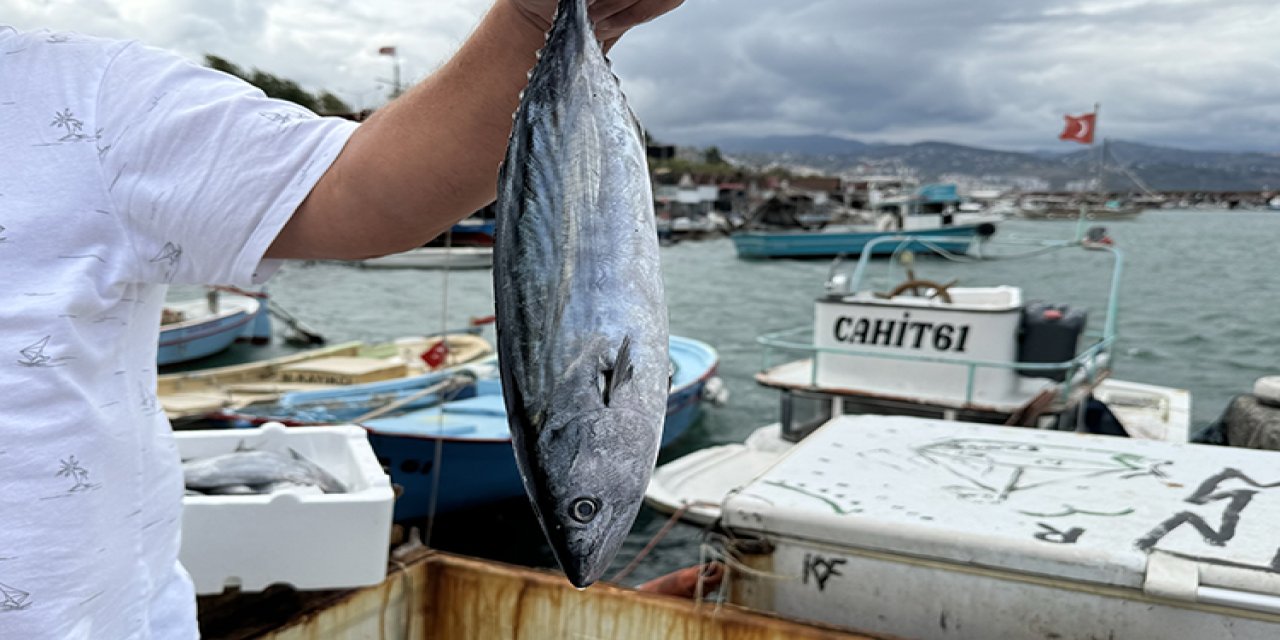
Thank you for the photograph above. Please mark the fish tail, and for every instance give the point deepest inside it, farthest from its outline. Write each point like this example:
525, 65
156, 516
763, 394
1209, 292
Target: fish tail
573, 13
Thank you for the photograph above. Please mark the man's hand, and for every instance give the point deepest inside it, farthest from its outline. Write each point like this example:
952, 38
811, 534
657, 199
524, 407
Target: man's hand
612, 17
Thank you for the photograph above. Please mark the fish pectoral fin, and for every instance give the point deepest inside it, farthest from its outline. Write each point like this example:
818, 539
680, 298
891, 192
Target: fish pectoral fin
621, 372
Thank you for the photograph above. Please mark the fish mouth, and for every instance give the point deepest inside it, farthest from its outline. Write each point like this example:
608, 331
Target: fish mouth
584, 574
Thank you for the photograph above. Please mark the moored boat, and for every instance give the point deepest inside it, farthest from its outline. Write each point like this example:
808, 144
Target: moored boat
471, 435
931, 218
976, 354
189, 397
434, 258
1056, 207
194, 329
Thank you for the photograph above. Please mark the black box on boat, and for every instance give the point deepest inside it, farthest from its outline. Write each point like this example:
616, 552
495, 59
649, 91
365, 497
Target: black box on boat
1050, 334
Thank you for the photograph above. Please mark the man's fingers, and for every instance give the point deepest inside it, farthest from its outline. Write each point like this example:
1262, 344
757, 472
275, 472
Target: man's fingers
605, 9
614, 17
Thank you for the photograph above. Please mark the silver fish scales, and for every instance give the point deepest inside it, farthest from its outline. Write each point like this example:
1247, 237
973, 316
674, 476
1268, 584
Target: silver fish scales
582, 320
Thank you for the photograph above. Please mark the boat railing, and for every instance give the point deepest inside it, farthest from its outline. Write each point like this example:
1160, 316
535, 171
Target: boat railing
841, 283
1086, 368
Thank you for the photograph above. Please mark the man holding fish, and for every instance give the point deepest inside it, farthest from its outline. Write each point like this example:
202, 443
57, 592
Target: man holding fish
127, 169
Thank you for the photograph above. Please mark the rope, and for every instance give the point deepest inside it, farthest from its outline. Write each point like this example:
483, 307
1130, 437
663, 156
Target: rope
276, 310
439, 448
657, 537
442, 387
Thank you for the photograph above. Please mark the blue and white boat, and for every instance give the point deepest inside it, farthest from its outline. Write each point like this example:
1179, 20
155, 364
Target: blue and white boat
194, 329
933, 211
851, 240
352, 403
474, 442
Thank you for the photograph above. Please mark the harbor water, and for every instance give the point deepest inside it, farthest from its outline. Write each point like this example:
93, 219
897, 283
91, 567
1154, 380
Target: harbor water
1198, 309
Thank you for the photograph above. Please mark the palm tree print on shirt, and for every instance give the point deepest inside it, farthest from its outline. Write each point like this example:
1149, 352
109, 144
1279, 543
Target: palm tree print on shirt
71, 469
73, 126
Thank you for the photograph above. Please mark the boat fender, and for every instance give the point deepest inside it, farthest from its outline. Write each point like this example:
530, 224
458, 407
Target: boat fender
986, 230
716, 392
1268, 390
685, 583
888, 222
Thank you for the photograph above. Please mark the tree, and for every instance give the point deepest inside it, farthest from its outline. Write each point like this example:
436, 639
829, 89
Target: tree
712, 156
282, 88
330, 103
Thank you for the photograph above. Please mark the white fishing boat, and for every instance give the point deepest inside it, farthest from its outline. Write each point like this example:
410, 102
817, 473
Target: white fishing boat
434, 258
976, 354
1060, 207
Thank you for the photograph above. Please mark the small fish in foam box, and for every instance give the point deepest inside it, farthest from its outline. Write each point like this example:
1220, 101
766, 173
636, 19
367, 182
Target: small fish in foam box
322, 541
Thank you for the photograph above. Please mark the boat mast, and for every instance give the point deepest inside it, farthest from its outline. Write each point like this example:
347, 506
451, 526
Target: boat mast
1097, 186
1098, 179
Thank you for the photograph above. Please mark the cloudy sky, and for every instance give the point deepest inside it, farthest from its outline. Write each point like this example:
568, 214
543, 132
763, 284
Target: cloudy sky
1201, 74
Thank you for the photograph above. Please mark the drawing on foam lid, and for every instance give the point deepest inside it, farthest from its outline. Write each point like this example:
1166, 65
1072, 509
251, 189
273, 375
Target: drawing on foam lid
995, 469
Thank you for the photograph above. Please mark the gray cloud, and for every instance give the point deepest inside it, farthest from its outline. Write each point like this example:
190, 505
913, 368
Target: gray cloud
996, 73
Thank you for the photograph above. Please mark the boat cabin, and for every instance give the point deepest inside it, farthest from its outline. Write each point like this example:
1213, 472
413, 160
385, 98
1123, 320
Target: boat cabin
926, 349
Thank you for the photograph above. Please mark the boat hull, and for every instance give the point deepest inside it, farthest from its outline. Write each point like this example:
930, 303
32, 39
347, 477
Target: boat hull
477, 471
203, 337
435, 258
826, 244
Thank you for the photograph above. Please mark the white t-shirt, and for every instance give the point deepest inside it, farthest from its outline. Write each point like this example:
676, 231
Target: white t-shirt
122, 169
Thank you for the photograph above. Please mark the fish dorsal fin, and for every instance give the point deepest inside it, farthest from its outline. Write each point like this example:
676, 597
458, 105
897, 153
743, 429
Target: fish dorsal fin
620, 373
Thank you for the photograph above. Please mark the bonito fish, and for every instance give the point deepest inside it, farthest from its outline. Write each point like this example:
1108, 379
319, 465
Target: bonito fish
243, 472
582, 319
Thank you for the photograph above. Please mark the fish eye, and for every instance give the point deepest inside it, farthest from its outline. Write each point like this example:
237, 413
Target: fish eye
584, 510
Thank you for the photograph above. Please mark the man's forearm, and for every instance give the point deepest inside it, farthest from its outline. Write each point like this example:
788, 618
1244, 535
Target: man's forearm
426, 160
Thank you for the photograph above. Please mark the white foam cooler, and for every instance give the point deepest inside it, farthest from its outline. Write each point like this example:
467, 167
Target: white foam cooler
928, 529
323, 541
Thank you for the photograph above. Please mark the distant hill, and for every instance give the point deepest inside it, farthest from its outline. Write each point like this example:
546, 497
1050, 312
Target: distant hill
1162, 168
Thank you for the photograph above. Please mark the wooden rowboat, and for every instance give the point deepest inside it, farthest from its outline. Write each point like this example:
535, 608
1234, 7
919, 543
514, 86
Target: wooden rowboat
189, 395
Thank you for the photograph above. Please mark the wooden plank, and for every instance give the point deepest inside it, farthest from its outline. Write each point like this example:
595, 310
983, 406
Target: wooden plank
437, 595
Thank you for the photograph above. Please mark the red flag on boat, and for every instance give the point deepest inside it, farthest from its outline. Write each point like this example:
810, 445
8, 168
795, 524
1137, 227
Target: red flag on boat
436, 355
1080, 128
387, 51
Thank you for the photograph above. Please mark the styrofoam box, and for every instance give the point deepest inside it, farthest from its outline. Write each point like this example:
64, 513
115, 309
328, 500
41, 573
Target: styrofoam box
322, 541
939, 530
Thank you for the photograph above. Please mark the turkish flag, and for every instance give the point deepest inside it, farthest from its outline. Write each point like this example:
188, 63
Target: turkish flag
436, 355
1080, 128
